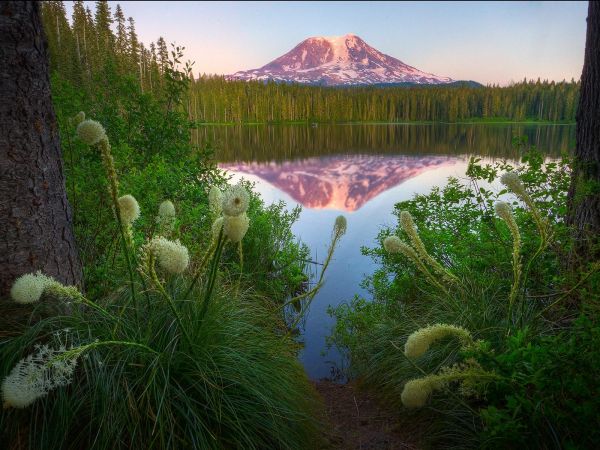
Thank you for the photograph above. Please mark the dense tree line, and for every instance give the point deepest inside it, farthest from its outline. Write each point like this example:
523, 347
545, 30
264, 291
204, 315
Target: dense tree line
93, 45
83, 50
216, 99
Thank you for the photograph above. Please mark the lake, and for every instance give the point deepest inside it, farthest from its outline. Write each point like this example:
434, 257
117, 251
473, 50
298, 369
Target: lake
360, 171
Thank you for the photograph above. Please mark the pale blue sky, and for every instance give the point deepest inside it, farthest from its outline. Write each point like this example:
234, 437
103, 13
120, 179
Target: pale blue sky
490, 42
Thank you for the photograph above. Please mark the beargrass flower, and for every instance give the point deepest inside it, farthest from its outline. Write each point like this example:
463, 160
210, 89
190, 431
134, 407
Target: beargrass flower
79, 117
129, 208
217, 226
235, 200
340, 226
392, 244
166, 216
416, 392
172, 256
166, 209
36, 375
419, 342
215, 200
235, 227
91, 132
29, 288
512, 181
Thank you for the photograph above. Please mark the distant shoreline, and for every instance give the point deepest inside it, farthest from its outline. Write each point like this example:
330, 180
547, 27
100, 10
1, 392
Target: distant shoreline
381, 122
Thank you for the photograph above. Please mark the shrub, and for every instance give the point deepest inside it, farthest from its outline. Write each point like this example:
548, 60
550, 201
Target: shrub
495, 272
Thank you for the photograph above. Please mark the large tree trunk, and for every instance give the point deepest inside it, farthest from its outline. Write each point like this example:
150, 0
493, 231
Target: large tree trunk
584, 193
35, 218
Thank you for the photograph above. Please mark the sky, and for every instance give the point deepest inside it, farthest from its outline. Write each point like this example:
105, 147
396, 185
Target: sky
489, 42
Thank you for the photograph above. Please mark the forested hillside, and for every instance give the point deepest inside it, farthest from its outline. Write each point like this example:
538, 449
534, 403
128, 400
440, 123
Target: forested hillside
217, 100
81, 50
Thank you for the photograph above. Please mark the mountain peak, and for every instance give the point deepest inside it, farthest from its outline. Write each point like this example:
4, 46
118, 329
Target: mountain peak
338, 60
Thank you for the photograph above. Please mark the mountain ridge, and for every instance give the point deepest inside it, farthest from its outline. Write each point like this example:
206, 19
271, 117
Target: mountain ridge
339, 61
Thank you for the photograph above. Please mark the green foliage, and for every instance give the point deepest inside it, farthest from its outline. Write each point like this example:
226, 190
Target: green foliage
170, 358
235, 384
525, 348
217, 100
549, 393
155, 159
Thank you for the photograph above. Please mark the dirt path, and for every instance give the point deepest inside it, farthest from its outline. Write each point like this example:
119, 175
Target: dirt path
359, 422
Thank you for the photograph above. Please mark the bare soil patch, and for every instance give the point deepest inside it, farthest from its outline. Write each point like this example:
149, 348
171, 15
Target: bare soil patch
359, 422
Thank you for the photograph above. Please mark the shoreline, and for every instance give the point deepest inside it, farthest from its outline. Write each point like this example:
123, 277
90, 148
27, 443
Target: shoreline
466, 122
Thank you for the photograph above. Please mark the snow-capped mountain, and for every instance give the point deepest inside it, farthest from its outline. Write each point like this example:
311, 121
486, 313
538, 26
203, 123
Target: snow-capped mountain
343, 183
341, 60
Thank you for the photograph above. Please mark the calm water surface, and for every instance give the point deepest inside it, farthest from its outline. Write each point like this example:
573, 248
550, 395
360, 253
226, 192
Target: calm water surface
360, 171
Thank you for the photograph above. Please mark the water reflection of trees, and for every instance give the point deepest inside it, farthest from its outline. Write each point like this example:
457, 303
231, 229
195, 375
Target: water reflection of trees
285, 142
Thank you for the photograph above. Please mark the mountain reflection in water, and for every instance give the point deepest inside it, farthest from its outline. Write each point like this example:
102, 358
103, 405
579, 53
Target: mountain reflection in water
340, 182
361, 171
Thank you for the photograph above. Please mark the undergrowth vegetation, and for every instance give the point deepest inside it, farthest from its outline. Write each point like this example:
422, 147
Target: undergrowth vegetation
182, 354
481, 319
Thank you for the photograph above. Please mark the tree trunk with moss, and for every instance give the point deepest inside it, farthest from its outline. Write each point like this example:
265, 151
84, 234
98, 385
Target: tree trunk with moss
36, 230
584, 193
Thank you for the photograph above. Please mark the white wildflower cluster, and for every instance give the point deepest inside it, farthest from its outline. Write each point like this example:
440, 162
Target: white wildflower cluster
215, 200
29, 288
172, 256
416, 252
36, 375
512, 181
235, 227
233, 204
91, 132
235, 200
469, 375
419, 342
166, 216
217, 226
340, 226
416, 392
166, 209
505, 212
129, 209
393, 245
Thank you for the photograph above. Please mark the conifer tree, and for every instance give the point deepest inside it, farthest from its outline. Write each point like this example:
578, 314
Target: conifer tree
121, 37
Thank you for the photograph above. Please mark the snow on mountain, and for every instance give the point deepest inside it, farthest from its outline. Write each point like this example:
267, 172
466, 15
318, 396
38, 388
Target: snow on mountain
342, 60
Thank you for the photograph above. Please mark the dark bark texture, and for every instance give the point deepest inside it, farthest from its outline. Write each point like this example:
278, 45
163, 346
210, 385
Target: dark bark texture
584, 193
36, 230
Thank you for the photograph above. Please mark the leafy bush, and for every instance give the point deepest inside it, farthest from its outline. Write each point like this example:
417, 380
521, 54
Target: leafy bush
494, 280
155, 159
547, 395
